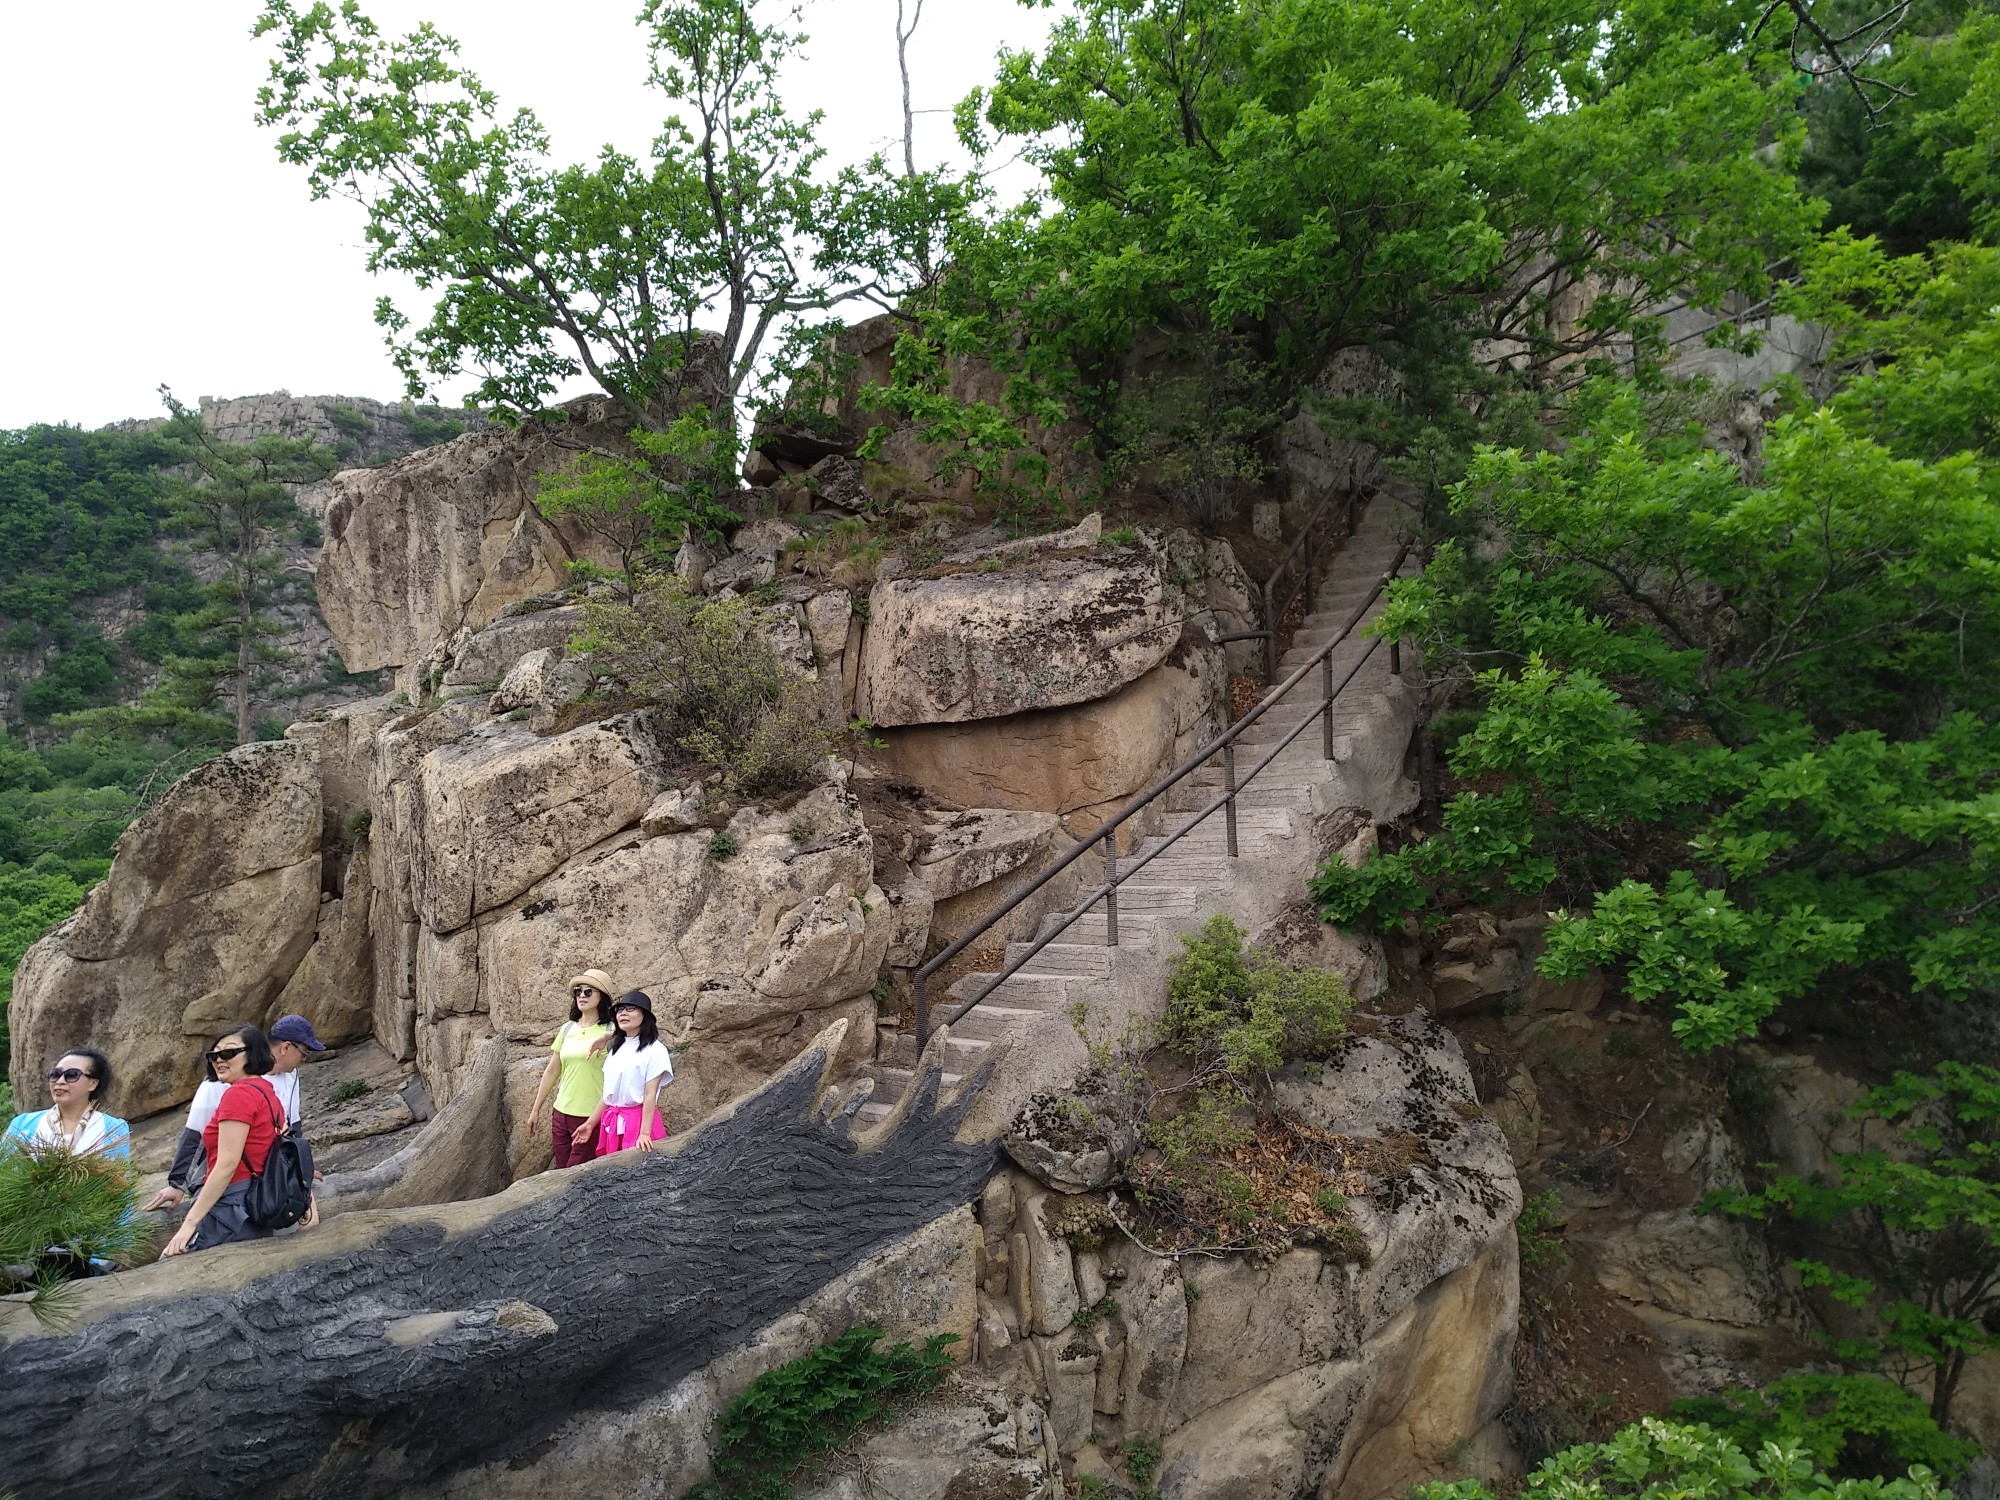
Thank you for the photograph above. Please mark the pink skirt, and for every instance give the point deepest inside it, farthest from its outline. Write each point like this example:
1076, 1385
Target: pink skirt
619, 1129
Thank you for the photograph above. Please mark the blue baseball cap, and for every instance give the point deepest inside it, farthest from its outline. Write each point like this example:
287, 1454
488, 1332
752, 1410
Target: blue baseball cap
296, 1029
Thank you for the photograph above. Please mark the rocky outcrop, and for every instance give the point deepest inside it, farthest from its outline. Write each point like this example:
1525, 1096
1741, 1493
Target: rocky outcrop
495, 811
1083, 760
1312, 1373
373, 1324
446, 539
1057, 630
211, 901
745, 956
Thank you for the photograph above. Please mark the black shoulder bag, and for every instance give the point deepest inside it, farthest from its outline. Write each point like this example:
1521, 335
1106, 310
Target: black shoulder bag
279, 1196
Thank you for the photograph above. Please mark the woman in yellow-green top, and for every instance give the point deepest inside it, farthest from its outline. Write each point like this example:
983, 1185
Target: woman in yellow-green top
576, 1066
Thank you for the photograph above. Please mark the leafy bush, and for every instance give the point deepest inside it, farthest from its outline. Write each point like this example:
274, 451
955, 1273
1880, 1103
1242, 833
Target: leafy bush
726, 698
1223, 1168
793, 1415
1249, 1013
1652, 1460
58, 1213
1853, 1426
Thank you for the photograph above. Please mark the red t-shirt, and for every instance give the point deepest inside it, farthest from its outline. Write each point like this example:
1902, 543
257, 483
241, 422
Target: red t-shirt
255, 1103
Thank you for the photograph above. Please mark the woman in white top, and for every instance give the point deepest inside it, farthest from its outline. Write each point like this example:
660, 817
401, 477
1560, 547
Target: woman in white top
634, 1068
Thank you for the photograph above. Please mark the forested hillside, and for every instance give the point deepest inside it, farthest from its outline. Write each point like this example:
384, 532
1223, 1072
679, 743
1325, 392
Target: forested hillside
114, 636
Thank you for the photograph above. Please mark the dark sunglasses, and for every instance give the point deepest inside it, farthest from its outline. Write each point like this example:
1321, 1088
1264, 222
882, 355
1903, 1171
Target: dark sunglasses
580, 991
68, 1075
223, 1054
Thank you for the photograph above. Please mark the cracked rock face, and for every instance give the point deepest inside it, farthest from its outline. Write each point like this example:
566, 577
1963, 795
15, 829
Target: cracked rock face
1058, 630
212, 901
446, 539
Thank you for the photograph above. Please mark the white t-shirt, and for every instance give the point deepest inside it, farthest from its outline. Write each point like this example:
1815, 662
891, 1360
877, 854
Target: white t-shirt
209, 1095
628, 1070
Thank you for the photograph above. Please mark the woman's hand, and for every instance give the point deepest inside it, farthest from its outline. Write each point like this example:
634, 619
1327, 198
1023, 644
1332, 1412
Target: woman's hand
647, 1143
312, 1213
166, 1197
598, 1044
582, 1134
178, 1245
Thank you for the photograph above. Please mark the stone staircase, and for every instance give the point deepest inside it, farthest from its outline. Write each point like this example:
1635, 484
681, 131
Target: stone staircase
1197, 878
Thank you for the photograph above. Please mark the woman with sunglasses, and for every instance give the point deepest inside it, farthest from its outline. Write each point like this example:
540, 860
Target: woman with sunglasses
247, 1122
77, 1122
636, 1065
576, 1067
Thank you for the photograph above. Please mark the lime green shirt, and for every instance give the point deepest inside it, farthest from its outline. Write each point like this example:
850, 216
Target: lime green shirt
582, 1070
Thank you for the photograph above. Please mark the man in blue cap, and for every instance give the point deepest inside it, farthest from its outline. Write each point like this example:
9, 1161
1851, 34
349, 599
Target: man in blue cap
292, 1037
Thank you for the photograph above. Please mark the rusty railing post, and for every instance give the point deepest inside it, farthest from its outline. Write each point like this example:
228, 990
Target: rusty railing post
1111, 889
1270, 634
1396, 658
1326, 710
923, 1017
1229, 786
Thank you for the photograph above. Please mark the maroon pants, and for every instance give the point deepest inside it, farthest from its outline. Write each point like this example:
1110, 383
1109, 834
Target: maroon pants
561, 1127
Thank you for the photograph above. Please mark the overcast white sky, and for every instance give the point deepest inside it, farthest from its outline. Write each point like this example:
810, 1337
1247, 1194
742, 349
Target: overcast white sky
151, 235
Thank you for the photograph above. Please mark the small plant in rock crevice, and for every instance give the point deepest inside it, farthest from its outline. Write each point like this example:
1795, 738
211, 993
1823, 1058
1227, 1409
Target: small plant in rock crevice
352, 1089
791, 1417
721, 846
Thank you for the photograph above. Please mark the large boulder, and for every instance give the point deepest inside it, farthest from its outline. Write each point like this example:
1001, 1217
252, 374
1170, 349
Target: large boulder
1063, 628
499, 809
211, 901
446, 539
1084, 760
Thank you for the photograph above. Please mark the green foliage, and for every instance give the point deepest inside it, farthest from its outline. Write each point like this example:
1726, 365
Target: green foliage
1922, 171
1920, 1218
1540, 1250
795, 1414
645, 505
1140, 1458
350, 1090
537, 273
1248, 1013
1743, 730
1265, 185
724, 696
234, 502
1853, 1426
1656, 1460
59, 1212
721, 846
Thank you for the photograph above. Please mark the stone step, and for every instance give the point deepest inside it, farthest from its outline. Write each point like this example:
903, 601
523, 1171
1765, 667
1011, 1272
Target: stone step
1134, 926
1146, 896
1027, 993
1070, 960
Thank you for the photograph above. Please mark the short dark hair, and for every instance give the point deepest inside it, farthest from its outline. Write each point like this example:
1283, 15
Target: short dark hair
100, 1069
257, 1058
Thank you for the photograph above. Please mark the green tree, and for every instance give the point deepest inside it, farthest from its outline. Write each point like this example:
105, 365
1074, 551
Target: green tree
1743, 730
617, 270
1921, 1216
235, 502
1656, 1460
1436, 183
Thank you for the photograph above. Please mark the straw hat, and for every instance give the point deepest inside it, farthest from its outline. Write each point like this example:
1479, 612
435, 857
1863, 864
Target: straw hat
597, 979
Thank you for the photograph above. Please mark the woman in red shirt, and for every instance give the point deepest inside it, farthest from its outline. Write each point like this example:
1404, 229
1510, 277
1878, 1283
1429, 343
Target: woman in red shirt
238, 1137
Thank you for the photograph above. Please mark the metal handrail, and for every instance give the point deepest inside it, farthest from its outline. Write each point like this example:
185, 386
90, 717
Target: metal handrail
1309, 539
1107, 832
